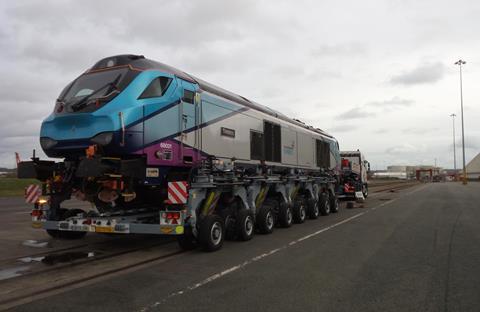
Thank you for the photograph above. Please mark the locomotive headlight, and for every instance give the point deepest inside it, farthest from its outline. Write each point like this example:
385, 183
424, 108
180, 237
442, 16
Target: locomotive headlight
103, 138
47, 143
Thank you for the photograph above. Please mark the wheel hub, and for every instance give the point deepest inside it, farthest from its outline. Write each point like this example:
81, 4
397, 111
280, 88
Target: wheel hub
216, 233
248, 225
269, 220
302, 213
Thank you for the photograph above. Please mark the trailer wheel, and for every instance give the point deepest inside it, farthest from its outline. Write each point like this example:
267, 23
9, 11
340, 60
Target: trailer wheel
285, 215
211, 232
265, 220
230, 227
299, 211
324, 204
245, 225
365, 190
187, 240
312, 208
334, 203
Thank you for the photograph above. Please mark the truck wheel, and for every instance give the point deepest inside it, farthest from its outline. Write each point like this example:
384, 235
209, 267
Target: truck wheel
334, 204
299, 211
324, 204
245, 225
187, 240
365, 190
312, 209
211, 232
285, 215
265, 220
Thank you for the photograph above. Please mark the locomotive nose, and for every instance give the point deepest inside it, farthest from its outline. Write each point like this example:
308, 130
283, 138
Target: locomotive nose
63, 135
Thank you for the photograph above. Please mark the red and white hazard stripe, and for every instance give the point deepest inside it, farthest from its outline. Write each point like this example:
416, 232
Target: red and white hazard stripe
32, 193
177, 192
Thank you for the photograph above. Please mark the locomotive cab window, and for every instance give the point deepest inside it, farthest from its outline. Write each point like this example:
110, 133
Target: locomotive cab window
188, 96
323, 154
156, 88
272, 140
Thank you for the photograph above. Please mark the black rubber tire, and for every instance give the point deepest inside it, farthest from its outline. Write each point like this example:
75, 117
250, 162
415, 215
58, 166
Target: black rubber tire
365, 190
299, 210
265, 220
334, 204
54, 233
187, 240
245, 225
312, 209
285, 215
211, 232
230, 227
324, 204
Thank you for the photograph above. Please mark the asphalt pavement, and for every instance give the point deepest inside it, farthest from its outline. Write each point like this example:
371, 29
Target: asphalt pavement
414, 250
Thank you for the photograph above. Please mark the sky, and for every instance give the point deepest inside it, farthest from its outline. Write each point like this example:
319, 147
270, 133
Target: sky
377, 75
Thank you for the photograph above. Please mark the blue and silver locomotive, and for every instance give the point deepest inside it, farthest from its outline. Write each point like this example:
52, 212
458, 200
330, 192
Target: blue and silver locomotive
129, 126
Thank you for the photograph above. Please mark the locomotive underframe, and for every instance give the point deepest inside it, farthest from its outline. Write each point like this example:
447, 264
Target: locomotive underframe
211, 191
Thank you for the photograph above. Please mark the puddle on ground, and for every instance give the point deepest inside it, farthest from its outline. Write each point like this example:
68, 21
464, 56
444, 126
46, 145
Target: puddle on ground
31, 259
66, 257
12, 272
34, 243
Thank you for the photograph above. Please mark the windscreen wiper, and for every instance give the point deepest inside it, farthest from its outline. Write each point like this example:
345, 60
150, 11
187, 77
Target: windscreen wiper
84, 101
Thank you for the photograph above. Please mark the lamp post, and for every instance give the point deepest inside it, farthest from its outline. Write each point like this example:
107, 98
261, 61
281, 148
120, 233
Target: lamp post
460, 63
454, 147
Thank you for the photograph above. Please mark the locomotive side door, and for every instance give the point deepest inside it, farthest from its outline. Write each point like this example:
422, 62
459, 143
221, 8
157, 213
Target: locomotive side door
189, 124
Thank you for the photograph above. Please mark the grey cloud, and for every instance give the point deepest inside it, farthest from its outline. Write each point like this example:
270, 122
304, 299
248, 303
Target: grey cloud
342, 128
405, 148
355, 113
470, 143
381, 131
423, 74
345, 49
391, 103
419, 131
365, 110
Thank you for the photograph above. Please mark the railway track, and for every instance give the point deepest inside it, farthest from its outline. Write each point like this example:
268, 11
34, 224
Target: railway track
35, 285
391, 187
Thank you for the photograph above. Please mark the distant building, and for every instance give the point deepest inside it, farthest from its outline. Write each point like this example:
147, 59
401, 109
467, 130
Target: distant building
473, 168
408, 172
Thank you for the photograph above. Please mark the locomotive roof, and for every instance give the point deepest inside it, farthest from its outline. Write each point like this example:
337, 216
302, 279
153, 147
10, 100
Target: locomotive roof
142, 63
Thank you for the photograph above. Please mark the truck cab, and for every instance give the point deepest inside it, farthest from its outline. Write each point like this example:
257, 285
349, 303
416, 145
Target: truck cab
354, 177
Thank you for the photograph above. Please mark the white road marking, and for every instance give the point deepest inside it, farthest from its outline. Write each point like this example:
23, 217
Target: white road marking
262, 256
250, 261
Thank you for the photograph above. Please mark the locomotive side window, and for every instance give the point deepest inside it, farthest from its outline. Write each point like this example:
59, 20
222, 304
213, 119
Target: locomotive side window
156, 88
256, 145
273, 139
188, 96
323, 154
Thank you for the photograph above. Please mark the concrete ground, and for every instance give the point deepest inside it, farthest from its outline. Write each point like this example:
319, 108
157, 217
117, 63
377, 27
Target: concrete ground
414, 250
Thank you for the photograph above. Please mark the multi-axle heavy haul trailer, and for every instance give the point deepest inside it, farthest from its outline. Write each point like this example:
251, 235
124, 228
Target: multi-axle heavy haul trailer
156, 150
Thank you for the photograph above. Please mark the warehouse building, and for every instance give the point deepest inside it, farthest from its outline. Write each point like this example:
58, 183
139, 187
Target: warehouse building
473, 168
